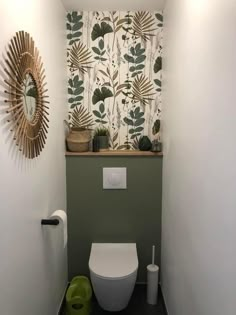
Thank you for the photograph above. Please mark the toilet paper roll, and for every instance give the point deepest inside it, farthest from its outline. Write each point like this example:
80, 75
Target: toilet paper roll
62, 217
152, 284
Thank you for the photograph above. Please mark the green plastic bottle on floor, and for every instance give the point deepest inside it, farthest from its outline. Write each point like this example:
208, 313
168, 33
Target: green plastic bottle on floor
78, 296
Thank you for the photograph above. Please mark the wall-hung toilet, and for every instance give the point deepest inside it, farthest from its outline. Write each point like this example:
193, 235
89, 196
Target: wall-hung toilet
113, 272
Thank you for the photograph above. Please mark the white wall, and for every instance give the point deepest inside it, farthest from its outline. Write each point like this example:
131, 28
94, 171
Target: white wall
33, 263
199, 176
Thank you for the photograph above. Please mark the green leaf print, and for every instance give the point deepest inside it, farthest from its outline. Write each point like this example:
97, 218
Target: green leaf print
136, 59
102, 108
96, 50
101, 44
75, 91
140, 59
74, 25
135, 121
128, 121
129, 58
158, 65
97, 114
101, 30
77, 26
68, 26
99, 51
159, 17
100, 114
101, 95
156, 127
158, 83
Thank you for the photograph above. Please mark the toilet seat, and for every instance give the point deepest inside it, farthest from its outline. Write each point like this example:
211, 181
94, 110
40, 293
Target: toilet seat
113, 260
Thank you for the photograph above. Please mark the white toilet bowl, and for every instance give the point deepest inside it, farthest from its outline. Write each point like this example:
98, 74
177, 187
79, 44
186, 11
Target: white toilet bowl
113, 272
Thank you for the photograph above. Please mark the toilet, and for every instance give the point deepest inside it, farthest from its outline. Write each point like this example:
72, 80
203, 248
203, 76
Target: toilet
113, 272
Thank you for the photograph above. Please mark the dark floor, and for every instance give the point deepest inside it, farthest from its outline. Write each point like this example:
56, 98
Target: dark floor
137, 305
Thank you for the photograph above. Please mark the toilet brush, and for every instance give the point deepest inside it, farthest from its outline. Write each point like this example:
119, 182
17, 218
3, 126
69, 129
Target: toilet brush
152, 280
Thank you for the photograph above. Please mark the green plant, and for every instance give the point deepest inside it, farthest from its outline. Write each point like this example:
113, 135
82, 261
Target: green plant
101, 131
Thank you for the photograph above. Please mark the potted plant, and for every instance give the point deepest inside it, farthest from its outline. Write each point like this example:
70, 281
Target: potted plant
101, 135
80, 131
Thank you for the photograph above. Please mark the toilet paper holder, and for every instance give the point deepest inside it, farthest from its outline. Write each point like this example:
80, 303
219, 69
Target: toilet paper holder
49, 222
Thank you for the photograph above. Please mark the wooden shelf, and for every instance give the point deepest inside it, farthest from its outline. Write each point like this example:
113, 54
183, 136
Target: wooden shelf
115, 153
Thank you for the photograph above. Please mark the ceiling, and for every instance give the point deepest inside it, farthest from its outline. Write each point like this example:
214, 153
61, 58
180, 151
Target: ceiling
108, 5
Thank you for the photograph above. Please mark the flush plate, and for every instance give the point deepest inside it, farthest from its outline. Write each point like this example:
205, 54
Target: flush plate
114, 178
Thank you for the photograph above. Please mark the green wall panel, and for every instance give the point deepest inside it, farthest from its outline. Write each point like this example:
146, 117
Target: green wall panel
97, 215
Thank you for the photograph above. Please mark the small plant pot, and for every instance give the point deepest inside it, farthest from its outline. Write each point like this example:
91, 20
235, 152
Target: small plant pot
103, 143
156, 146
95, 144
144, 144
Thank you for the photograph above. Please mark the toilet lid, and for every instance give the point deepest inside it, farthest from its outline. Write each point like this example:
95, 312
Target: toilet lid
113, 260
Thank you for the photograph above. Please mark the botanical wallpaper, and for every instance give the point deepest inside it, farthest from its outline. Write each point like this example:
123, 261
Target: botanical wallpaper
114, 72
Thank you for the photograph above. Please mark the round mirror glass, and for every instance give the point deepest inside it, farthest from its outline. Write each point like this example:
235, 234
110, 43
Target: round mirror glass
30, 95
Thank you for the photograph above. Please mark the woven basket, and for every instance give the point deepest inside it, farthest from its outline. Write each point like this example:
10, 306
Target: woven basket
78, 140
78, 146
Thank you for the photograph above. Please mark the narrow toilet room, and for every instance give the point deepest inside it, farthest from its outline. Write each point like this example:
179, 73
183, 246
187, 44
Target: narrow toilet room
117, 157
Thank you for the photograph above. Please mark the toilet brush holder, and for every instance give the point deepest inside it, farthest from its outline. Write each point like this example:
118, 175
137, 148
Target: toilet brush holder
152, 281
152, 284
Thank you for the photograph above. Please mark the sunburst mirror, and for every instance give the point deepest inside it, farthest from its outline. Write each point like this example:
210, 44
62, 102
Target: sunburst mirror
25, 93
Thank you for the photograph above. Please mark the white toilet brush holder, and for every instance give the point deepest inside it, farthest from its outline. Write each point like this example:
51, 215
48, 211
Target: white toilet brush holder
152, 280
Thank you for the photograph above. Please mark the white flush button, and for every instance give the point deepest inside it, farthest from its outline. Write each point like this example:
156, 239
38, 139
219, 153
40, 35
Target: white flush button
114, 178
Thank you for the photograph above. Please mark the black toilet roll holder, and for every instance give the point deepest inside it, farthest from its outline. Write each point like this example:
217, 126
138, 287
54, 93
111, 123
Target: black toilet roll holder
49, 222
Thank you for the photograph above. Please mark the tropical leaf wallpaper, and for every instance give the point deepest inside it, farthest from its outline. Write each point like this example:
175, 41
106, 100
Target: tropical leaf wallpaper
114, 73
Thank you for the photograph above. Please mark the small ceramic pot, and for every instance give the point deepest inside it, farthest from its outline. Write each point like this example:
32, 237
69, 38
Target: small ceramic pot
144, 144
103, 143
156, 146
95, 144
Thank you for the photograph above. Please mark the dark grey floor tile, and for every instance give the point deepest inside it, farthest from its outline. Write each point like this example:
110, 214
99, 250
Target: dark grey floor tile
137, 305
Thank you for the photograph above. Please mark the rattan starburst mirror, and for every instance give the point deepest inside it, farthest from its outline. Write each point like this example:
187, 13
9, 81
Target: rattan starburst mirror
25, 93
